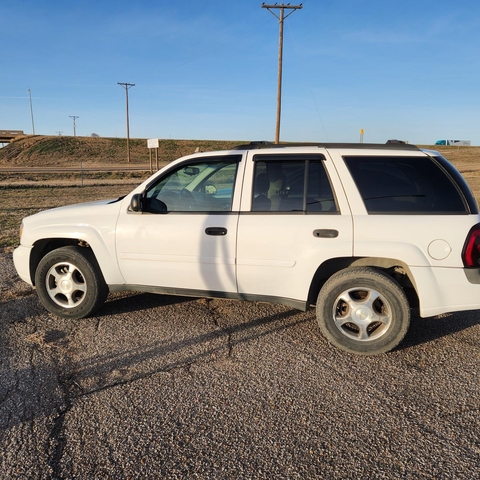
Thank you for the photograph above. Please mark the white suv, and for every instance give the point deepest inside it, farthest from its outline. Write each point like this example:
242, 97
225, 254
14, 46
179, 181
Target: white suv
365, 232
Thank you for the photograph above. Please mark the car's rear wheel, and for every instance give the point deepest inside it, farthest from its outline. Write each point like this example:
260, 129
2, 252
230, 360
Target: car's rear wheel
363, 310
69, 282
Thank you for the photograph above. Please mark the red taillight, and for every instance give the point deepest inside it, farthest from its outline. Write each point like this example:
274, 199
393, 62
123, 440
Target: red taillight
471, 250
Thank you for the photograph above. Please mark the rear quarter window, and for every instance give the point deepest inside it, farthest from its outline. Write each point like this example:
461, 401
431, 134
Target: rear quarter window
411, 185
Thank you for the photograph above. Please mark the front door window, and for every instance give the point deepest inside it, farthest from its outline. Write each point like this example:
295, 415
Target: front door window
198, 187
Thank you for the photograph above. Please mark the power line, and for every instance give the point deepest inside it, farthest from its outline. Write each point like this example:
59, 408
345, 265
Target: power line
282, 7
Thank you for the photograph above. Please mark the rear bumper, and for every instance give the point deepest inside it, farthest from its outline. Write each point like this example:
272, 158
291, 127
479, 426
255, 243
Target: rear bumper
21, 260
473, 275
443, 290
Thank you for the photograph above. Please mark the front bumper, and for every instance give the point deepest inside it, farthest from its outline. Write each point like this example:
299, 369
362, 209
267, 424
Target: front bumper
21, 260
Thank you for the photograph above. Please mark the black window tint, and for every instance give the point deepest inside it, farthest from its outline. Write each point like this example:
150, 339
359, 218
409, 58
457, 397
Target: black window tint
278, 186
460, 181
291, 186
320, 195
405, 185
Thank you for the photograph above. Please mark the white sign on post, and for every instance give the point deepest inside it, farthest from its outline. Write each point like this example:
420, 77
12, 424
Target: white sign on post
152, 143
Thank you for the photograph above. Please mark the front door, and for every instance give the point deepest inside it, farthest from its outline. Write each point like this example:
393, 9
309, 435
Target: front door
185, 237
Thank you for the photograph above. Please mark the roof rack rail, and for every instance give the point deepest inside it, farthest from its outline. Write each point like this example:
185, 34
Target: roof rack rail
375, 146
256, 144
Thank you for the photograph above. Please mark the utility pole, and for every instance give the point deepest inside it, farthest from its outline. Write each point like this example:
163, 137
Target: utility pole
31, 111
126, 86
74, 125
282, 7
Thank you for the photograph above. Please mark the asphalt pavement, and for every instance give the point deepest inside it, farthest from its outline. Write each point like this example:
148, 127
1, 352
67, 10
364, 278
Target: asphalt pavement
171, 387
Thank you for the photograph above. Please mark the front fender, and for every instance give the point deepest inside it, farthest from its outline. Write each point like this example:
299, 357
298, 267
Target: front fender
93, 224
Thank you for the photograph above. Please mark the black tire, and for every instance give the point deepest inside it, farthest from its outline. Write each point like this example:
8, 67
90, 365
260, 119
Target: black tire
69, 282
363, 310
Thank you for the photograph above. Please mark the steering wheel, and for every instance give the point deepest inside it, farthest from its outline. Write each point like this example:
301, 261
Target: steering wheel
188, 200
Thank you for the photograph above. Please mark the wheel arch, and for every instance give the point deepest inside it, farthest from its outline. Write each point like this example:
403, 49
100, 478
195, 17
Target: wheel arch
102, 256
395, 268
44, 246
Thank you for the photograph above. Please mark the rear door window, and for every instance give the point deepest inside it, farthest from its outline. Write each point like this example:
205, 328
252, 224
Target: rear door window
292, 184
413, 185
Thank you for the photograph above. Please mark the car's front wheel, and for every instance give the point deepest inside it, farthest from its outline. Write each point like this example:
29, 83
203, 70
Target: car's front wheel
69, 282
363, 310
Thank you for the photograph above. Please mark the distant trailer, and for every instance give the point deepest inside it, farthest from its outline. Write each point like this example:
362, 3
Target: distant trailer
6, 136
458, 143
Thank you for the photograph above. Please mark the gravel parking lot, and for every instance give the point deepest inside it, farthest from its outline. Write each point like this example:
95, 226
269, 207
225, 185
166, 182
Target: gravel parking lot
171, 387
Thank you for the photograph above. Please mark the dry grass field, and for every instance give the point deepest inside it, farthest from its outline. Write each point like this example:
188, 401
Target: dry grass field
44, 151
26, 193
19, 202
23, 194
467, 160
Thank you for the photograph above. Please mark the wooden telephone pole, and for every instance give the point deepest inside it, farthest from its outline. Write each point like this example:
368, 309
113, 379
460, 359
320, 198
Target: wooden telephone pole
282, 7
126, 86
74, 117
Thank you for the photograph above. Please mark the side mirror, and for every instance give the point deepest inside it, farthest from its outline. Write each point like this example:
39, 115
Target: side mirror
136, 203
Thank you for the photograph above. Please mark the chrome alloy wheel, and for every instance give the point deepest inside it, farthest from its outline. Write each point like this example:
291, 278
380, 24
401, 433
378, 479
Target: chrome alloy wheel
362, 314
66, 285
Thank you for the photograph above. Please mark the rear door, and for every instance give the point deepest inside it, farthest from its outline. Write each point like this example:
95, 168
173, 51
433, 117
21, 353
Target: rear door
294, 217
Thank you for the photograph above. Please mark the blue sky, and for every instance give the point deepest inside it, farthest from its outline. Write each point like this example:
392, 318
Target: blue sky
208, 70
